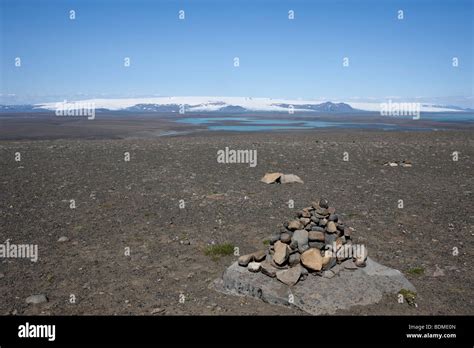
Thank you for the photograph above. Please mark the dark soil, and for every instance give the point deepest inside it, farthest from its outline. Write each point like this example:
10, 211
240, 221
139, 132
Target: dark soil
135, 205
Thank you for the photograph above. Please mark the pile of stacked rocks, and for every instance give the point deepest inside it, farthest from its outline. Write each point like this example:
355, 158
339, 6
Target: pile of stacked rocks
316, 242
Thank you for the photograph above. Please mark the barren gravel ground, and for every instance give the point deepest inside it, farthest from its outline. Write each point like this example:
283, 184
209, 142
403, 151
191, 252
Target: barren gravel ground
136, 204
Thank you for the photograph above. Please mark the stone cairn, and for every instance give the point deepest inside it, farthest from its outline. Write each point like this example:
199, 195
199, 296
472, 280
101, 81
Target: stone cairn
316, 243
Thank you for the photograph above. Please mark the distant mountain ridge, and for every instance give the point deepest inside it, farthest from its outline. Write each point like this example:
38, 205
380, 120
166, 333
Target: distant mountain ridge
218, 105
20, 108
454, 108
324, 107
222, 107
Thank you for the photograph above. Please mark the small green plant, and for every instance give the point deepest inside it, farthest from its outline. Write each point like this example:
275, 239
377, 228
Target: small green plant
409, 296
266, 242
107, 205
416, 271
218, 250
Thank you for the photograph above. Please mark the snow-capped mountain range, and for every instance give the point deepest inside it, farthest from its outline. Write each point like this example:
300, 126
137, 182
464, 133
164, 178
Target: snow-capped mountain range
220, 104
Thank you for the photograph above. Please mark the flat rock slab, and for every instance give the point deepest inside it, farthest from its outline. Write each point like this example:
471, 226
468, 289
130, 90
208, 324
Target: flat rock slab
317, 295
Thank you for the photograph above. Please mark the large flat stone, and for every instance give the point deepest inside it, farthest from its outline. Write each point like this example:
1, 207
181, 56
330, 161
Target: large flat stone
317, 295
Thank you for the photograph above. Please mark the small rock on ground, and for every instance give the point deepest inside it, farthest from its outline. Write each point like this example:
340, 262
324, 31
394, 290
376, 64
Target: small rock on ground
290, 178
289, 276
254, 266
36, 299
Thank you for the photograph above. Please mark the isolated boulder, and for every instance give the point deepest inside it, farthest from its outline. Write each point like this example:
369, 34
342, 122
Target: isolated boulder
270, 178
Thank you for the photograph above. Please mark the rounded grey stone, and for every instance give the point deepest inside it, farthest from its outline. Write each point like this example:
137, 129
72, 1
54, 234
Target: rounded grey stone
333, 217
329, 238
274, 238
36, 299
294, 259
285, 238
323, 203
301, 237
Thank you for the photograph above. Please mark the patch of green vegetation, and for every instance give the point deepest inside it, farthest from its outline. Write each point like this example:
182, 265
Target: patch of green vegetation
409, 296
218, 250
266, 242
457, 291
107, 205
353, 215
416, 271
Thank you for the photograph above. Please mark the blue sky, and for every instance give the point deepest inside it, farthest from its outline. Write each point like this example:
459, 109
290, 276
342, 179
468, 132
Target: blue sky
300, 58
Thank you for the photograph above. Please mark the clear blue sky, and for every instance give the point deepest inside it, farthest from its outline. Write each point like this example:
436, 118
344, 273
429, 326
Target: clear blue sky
278, 57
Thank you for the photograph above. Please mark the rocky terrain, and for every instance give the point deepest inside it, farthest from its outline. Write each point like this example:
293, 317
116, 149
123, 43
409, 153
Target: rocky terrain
149, 234
316, 241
